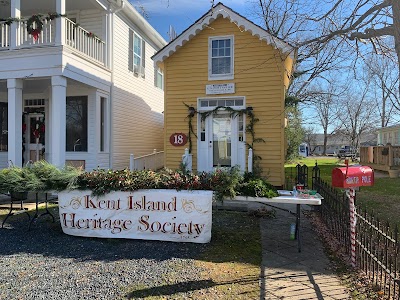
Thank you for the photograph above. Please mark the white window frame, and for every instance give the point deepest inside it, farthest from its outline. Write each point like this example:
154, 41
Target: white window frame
135, 35
157, 72
227, 76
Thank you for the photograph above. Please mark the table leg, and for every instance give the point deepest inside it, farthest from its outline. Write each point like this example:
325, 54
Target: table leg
298, 213
37, 211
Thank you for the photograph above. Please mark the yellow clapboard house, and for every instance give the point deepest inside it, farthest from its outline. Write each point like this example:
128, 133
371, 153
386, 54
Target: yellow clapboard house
220, 75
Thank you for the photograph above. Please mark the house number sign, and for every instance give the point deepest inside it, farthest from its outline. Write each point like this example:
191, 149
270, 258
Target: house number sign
178, 139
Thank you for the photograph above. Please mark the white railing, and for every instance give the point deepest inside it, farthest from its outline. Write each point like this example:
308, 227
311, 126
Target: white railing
153, 161
4, 35
46, 36
84, 41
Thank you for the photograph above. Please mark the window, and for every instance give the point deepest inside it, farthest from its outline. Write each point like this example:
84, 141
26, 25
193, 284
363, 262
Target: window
137, 57
220, 58
77, 124
103, 123
158, 78
3, 126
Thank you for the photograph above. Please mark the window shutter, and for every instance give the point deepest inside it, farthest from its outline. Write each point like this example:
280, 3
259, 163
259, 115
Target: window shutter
130, 54
143, 53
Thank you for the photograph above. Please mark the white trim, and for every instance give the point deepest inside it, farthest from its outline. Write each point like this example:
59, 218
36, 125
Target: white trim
221, 98
204, 150
227, 76
222, 11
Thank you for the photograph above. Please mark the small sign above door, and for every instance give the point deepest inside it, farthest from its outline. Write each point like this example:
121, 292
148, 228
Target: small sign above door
222, 88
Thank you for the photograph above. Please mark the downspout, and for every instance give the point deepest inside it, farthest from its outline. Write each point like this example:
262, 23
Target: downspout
111, 64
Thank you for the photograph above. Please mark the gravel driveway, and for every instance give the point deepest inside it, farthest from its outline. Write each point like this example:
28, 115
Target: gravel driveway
45, 263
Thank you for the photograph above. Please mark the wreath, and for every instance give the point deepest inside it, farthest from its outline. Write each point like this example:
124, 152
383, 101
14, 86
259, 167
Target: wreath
35, 19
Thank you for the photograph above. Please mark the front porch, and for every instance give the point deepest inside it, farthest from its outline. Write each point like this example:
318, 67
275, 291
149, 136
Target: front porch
60, 28
383, 158
57, 119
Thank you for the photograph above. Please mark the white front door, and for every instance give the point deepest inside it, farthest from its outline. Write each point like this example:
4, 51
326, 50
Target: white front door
221, 142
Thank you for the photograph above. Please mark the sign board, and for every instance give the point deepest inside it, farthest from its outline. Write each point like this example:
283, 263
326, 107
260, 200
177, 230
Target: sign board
164, 215
353, 176
178, 139
222, 88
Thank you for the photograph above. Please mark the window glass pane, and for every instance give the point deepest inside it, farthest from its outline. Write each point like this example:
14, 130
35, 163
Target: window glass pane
227, 51
214, 44
222, 132
77, 130
230, 102
228, 43
221, 43
221, 52
204, 103
221, 102
238, 102
136, 60
213, 102
214, 52
3, 126
159, 80
103, 103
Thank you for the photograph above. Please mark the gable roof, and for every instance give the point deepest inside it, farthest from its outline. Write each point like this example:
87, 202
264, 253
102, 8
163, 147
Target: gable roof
217, 11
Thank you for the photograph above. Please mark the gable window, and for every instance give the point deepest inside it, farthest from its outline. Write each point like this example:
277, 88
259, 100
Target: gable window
137, 57
220, 58
158, 78
77, 124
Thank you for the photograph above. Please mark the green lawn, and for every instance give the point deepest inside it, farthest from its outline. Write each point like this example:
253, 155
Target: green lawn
382, 199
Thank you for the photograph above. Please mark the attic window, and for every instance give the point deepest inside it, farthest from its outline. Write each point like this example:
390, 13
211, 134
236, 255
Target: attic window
220, 58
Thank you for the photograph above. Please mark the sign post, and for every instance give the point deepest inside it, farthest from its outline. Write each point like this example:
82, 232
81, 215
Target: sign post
350, 178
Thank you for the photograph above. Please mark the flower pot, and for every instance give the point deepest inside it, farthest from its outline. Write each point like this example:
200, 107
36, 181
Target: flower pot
394, 173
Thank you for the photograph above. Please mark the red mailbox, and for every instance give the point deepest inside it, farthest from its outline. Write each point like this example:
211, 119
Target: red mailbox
352, 176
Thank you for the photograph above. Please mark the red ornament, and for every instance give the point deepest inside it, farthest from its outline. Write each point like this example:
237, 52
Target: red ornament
42, 128
23, 128
36, 133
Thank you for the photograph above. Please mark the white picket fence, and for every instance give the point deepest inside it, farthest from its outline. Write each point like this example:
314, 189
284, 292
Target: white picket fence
153, 161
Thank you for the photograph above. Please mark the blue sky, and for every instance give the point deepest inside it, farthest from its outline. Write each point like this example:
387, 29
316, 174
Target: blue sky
183, 13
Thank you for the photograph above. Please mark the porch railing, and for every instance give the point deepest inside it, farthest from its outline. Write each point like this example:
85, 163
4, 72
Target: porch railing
84, 41
153, 161
382, 158
46, 37
4, 35
75, 36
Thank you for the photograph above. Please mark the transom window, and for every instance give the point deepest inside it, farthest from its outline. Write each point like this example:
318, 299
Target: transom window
220, 58
212, 103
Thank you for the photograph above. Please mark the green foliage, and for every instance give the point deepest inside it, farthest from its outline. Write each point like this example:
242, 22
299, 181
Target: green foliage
40, 176
294, 132
254, 186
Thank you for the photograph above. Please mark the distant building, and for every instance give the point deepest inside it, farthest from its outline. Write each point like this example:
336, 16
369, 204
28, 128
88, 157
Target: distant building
336, 141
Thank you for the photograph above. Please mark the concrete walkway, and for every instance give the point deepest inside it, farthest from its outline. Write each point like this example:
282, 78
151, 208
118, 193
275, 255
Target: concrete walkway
288, 274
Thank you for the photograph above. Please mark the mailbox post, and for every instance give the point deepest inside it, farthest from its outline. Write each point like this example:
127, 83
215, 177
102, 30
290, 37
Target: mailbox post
350, 178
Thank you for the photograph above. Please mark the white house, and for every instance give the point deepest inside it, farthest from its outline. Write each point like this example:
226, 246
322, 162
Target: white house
78, 84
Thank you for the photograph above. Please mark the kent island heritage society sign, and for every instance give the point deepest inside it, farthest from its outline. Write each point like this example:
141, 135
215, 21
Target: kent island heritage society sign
164, 215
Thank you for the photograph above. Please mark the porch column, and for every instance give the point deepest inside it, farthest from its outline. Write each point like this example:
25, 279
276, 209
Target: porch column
58, 112
15, 121
15, 26
60, 22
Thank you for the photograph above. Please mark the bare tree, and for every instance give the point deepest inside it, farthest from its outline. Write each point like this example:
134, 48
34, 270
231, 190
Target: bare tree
355, 116
310, 138
313, 25
325, 102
